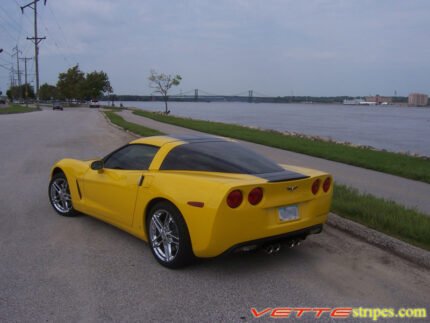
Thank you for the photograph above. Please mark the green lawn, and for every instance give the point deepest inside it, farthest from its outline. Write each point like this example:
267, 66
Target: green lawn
376, 213
15, 108
135, 128
382, 215
416, 168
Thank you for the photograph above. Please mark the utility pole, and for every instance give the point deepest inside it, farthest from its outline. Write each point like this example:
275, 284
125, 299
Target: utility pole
25, 59
17, 51
36, 40
12, 76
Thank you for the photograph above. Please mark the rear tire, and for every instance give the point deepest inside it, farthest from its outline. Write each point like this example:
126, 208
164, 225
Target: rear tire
59, 195
168, 236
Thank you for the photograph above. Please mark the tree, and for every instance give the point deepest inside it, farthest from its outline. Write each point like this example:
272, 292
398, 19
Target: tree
74, 84
96, 84
48, 92
17, 91
71, 83
162, 84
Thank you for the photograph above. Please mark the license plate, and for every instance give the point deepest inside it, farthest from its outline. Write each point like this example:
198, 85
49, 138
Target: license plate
288, 213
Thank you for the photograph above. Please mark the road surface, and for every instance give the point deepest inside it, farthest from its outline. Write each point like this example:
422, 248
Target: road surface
57, 269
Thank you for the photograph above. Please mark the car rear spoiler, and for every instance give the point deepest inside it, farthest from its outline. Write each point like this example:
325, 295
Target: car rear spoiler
282, 176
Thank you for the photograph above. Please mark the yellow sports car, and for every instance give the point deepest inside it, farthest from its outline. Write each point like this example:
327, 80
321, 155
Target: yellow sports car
195, 196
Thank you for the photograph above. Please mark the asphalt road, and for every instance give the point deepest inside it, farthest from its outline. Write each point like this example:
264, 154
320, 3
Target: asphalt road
413, 194
56, 269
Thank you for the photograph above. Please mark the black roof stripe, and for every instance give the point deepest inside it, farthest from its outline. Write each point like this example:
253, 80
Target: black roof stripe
197, 138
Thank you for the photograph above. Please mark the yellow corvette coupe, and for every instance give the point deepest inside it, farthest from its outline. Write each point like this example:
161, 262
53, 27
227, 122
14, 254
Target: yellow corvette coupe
195, 196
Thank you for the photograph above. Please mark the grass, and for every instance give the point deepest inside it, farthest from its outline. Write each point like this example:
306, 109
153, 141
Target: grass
412, 167
382, 215
15, 108
376, 213
133, 127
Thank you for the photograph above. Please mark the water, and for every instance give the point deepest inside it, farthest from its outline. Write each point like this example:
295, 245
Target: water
400, 129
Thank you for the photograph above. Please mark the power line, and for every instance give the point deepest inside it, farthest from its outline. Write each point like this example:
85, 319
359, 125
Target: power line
25, 59
56, 44
8, 33
5, 67
36, 40
10, 22
64, 38
4, 60
17, 51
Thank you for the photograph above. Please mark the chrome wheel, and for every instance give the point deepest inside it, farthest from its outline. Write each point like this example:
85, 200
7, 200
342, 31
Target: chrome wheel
60, 195
164, 235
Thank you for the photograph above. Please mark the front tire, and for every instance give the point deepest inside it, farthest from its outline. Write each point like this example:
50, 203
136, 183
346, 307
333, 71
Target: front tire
168, 236
59, 195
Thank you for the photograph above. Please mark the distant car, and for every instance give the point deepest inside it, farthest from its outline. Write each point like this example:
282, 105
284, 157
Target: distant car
57, 106
94, 104
194, 196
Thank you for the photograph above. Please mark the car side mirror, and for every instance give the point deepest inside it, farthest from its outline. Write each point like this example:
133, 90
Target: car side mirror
97, 165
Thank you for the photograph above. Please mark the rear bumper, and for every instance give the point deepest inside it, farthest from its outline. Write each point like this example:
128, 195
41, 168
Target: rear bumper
299, 234
235, 234
216, 231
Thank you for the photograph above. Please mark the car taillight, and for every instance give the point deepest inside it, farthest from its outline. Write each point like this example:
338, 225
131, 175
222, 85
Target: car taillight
234, 199
316, 186
255, 196
326, 184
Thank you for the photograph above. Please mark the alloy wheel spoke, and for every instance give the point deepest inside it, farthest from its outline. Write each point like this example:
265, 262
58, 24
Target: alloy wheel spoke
167, 221
172, 236
155, 242
157, 223
62, 205
56, 187
173, 242
168, 251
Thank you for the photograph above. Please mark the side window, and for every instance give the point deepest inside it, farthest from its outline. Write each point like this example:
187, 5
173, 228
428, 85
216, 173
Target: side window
131, 157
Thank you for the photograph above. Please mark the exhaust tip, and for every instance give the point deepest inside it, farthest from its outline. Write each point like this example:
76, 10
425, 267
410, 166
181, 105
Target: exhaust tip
272, 248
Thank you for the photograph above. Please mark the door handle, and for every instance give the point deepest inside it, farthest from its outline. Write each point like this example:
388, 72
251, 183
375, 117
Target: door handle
141, 180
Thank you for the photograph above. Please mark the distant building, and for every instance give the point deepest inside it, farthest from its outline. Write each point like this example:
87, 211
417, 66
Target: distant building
377, 99
356, 101
418, 99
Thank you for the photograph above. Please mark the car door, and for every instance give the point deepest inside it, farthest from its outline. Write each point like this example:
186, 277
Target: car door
111, 192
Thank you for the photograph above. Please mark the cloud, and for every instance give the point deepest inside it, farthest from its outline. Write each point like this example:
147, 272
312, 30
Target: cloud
226, 46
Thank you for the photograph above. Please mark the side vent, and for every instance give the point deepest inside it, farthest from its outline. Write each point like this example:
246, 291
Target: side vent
79, 190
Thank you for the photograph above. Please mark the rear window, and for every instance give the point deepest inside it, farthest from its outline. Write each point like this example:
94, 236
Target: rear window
218, 156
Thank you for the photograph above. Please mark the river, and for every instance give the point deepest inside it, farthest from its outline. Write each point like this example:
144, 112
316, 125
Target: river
393, 128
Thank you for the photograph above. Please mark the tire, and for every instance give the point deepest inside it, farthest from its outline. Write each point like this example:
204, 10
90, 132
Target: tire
168, 236
59, 195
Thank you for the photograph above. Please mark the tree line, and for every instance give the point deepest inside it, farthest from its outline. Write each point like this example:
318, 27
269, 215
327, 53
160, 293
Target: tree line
73, 84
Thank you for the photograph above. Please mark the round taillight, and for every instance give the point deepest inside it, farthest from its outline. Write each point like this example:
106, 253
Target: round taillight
316, 186
234, 199
326, 184
255, 196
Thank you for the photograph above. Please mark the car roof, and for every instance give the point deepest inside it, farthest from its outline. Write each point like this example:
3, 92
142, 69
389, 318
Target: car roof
162, 140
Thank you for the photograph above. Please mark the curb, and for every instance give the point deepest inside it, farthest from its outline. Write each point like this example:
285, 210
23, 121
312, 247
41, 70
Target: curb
402, 249
118, 127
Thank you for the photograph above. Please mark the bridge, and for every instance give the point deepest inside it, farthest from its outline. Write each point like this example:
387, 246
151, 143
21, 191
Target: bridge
202, 95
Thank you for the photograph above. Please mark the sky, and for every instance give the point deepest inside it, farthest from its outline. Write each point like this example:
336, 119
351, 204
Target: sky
274, 47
